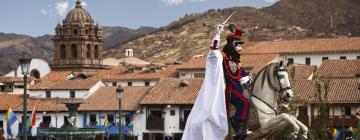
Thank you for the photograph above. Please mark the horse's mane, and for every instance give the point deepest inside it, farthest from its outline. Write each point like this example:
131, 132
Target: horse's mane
265, 73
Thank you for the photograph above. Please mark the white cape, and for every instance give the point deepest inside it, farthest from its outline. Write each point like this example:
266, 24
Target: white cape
208, 120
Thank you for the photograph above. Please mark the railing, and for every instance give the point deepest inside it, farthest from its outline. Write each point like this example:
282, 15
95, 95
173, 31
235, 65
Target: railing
337, 121
154, 123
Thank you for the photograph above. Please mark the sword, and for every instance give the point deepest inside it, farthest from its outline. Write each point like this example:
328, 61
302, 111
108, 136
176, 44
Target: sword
229, 18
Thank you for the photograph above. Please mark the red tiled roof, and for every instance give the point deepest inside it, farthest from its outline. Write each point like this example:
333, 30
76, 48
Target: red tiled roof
339, 69
64, 85
120, 73
105, 98
13, 79
56, 75
330, 45
247, 61
302, 71
340, 91
194, 63
16, 103
169, 91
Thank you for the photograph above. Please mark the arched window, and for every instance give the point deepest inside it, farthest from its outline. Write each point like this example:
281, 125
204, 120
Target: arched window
96, 51
63, 51
35, 73
88, 51
74, 51
75, 31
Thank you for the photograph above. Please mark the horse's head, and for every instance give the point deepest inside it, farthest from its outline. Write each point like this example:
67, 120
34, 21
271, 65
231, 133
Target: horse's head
284, 82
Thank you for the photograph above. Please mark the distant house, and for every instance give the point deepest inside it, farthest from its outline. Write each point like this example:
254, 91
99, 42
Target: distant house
309, 51
167, 106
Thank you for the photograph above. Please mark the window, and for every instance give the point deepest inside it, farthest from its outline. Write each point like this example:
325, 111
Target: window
325, 58
35, 73
66, 121
46, 121
75, 31
48, 94
96, 51
172, 112
147, 83
93, 119
343, 57
88, 51
357, 57
307, 61
110, 118
155, 114
199, 75
347, 110
129, 83
74, 51
1, 124
114, 84
63, 51
72, 94
290, 61
186, 114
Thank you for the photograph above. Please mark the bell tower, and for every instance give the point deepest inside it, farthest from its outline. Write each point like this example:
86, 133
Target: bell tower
78, 42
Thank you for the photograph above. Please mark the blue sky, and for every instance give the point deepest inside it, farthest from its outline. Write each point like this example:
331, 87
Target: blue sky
39, 17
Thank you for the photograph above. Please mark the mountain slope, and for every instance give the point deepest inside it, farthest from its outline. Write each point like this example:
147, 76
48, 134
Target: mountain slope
286, 19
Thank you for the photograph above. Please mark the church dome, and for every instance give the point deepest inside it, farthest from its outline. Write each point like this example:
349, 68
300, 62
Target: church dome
78, 15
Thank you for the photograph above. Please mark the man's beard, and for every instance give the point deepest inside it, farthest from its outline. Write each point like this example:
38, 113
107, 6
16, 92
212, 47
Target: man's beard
231, 53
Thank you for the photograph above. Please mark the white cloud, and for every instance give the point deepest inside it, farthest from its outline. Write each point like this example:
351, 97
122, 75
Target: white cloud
172, 2
44, 12
62, 7
270, 1
83, 3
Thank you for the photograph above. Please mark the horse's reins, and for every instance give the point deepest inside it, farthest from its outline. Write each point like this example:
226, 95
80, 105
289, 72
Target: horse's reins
280, 90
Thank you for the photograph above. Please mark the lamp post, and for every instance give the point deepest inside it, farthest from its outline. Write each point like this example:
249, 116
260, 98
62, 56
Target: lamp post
25, 66
120, 93
343, 123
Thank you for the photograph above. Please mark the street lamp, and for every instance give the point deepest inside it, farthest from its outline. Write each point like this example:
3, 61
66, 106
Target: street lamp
25, 66
343, 122
120, 94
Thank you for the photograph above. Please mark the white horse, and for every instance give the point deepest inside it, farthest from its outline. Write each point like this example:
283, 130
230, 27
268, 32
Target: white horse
270, 83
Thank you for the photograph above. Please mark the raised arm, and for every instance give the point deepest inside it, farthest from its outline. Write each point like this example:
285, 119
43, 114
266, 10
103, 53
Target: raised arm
215, 43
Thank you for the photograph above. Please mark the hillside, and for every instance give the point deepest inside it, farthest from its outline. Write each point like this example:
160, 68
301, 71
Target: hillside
286, 19
12, 45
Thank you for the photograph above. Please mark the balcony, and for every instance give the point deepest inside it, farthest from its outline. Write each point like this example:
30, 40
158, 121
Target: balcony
154, 123
337, 121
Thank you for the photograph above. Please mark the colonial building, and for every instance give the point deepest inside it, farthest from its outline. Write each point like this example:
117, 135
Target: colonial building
309, 51
78, 42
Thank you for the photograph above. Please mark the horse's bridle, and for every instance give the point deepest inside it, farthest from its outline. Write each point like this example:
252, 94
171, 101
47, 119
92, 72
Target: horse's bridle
280, 90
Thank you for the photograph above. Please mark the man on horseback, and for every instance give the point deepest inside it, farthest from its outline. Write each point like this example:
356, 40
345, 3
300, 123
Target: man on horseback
235, 78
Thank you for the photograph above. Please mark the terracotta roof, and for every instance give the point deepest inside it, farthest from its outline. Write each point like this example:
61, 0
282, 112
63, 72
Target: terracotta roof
134, 61
250, 61
330, 45
247, 61
169, 91
13, 79
105, 98
198, 62
121, 73
111, 61
302, 71
340, 91
56, 75
339, 69
64, 85
16, 103
10, 100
